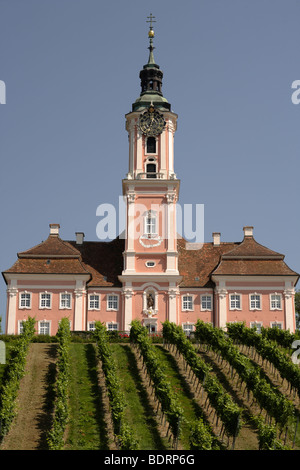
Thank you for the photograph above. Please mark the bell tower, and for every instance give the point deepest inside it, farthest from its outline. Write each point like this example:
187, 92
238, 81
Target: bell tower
151, 190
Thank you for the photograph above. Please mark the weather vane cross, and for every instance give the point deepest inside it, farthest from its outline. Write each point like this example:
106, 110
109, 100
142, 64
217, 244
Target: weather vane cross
151, 20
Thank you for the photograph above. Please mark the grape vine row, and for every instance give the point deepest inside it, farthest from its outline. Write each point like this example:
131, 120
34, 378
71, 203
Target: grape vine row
11, 381
226, 409
163, 391
55, 437
123, 433
269, 351
268, 397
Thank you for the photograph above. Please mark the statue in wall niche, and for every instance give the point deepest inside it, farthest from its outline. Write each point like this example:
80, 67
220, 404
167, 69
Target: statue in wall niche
150, 301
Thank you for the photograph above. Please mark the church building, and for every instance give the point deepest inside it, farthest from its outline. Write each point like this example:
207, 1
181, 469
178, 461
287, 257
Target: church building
150, 274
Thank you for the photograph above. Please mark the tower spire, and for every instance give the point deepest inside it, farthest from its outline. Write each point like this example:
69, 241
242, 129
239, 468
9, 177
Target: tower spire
151, 48
151, 78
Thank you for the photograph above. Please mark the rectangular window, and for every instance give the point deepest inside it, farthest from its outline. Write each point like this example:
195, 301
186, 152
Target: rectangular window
275, 301
20, 327
255, 302
235, 302
44, 328
91, 326
65, 300
188, 328
112, 302
112, 326
187, 302
45, 300
206, 302
150, 225
276, 325
94, 302
25, 300
257, 326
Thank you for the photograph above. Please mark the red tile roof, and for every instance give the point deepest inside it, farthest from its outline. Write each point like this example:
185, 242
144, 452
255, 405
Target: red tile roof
196, 266
47, 266
249, 248
252, 259
53, 247
104, 261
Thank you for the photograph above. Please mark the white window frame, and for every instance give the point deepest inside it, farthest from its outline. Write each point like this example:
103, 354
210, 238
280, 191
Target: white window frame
260, 301
150, 264
150, 224
25, 307
256, 324
91, 325
20, 326
206, 309
61, 300
276, 324
40, 300
150, 154
233, 302
188, 328
94, 294
150, 325
108, 308
279, 297
188, 302
112, 326
39, 327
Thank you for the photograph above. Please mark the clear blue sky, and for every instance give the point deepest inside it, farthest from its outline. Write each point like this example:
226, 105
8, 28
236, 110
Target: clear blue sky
71, 69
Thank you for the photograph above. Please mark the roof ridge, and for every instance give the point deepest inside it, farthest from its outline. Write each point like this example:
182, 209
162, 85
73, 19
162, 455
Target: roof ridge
239, 252
37, 251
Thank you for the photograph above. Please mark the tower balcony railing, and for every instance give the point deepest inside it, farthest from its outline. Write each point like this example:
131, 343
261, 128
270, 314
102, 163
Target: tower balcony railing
154, 175
151, 174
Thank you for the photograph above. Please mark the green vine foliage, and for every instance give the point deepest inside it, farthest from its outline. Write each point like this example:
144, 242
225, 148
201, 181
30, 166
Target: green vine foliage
163, 390
201, 437
123, 433
55, 436
227, 410
269, 397
269, 350
15, 370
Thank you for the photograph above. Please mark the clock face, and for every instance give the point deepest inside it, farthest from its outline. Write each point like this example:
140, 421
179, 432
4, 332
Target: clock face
151, 122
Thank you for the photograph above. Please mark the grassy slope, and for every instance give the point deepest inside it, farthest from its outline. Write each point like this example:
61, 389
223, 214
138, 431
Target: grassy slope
139, 412
87, 428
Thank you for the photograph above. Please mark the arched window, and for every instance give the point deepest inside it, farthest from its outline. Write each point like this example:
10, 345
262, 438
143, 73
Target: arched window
151, 170
151, 145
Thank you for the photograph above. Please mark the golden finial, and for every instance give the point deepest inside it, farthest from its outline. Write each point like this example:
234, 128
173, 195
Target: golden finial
151, 20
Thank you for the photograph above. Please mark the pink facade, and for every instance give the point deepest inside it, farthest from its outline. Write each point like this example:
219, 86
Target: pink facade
150, 275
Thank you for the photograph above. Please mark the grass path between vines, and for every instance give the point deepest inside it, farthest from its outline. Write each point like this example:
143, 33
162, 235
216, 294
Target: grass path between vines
28, 431
139, 410
87, 427
191, 409
247, 437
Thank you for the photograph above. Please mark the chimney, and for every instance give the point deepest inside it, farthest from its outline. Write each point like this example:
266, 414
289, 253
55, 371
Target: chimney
216, 238
248, 231
79, 238
54, 229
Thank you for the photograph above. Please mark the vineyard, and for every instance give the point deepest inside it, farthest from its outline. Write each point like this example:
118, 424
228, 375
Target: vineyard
233, 390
